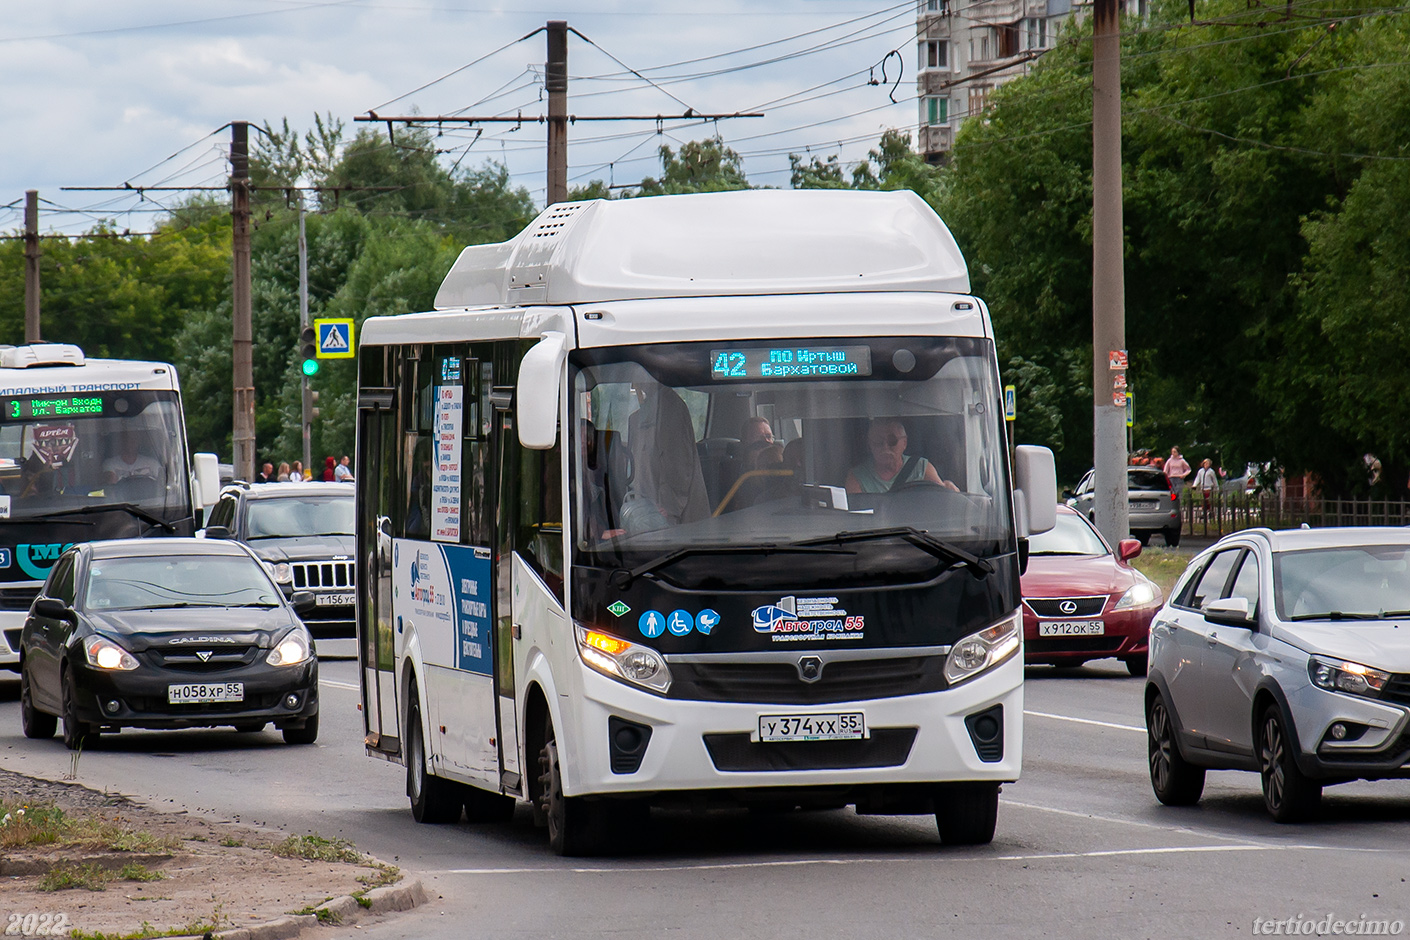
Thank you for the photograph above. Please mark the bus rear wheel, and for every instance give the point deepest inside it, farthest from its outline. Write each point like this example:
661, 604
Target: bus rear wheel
576, 826
433, 800
966, 813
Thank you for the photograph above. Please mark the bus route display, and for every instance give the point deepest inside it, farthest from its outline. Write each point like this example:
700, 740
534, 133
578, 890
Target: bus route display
790, 362
51, 406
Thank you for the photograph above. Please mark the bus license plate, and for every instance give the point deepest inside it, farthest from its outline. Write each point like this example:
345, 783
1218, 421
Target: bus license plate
192, 693
1072, 628
843, 726
335, 600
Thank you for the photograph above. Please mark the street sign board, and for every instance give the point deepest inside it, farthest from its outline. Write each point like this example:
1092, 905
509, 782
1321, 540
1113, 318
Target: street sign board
1010, 403
335, 338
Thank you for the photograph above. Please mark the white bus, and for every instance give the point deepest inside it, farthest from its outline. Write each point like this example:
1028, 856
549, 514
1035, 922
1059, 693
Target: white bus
90, 449
700, 500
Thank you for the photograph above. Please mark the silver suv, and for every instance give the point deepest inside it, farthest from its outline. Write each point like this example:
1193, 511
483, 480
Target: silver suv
1285, 653
1152, 505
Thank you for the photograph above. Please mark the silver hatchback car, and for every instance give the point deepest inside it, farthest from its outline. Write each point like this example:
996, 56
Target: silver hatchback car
1285, 653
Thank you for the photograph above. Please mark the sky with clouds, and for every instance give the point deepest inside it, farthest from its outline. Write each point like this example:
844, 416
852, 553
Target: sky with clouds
105, 93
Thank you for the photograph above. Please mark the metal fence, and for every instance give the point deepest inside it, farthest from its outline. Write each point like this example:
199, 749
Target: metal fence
1220, 513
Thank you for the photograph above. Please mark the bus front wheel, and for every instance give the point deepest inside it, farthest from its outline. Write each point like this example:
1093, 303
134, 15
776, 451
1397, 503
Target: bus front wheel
966, 813
575, 826
433, 800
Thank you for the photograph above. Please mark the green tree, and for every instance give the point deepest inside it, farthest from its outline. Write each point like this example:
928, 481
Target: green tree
702, 166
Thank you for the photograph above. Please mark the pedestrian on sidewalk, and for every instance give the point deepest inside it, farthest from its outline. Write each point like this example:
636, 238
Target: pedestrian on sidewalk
1206, 482
1177, 468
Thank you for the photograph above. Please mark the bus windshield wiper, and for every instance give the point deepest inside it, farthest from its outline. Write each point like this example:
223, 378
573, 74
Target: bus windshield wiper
623, 577
128, 508
920, 538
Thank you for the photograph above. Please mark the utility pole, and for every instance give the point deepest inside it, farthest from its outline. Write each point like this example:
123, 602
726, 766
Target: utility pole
306, 393
243, 425
1109, 360
555, 82
31, 266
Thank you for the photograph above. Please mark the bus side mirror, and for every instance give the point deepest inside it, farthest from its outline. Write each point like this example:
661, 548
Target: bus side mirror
207, 467
1035, 490
536, 398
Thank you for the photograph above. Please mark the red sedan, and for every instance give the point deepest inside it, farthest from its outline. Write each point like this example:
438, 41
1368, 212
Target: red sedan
1082, 602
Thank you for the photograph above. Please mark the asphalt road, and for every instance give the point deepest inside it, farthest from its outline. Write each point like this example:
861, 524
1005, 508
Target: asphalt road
1082, 847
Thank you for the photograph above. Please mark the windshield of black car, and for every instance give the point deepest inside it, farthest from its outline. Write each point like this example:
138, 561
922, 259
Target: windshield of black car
292, 516
68, 452
1314, 584
757, 443
1071, 536
155, 581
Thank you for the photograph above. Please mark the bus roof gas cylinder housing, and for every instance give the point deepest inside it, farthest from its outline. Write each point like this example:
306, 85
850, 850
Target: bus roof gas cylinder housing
714, 244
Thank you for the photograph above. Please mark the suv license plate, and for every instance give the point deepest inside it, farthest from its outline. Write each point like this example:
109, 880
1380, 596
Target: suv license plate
335, 600
1072, 628
843, 726
194, 692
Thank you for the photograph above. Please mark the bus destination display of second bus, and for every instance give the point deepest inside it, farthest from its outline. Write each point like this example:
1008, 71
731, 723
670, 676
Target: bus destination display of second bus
790, 362
51, 406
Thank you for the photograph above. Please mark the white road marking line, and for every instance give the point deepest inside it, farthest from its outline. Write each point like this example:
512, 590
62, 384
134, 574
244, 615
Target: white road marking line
1085, 721
338, 685
967, 859
1094, 817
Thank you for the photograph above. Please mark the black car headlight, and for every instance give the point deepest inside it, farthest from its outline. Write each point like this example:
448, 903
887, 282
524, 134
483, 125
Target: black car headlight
293, 649
1335, 675
103, 653
622, 659
984, 650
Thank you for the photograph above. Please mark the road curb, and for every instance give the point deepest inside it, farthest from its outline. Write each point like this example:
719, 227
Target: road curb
340, 912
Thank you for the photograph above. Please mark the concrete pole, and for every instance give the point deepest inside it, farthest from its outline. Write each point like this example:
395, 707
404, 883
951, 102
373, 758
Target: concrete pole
1108, 280
306, 395
556, 84
243, 425
31, 266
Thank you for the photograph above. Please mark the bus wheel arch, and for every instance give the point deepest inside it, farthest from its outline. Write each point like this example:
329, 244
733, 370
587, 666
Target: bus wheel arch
537, 721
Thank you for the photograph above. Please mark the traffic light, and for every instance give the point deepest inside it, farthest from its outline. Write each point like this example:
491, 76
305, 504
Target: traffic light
308, 350
313, 404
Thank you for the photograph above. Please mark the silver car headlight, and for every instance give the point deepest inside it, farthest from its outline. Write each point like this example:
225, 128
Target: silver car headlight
105, 654
984, 650
1335, 675
282, 573
622, 659
1143, 593
293, 650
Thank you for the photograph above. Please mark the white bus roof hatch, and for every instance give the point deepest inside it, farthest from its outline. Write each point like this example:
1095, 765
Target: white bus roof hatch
712, 244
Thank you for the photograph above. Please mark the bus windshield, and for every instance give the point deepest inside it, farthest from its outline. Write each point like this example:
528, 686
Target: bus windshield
60, 453
726, 445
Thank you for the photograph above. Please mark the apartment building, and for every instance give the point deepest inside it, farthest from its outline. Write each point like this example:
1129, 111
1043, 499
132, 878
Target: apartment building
968, 48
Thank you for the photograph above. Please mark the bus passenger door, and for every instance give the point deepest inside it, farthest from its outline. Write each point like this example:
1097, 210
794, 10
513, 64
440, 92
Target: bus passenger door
376, 441
505, 626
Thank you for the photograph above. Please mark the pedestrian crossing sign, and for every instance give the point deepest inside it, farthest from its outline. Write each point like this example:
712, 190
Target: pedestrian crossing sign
335, 338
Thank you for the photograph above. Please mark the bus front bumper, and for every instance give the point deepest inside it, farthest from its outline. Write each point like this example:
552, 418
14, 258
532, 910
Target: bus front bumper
928, 738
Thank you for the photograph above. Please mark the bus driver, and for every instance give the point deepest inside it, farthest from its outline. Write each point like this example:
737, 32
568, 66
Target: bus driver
889, 466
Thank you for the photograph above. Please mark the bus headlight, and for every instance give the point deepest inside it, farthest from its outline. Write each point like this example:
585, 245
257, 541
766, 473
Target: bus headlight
621, 659
984, 650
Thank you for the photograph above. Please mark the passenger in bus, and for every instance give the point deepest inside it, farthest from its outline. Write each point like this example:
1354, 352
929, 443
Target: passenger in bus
889, 466
754, 435
667, 486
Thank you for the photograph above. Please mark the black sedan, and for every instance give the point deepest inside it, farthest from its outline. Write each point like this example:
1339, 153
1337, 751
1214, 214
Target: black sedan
165, 633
